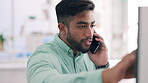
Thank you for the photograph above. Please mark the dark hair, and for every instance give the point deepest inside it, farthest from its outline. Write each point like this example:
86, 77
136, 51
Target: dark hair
66, 9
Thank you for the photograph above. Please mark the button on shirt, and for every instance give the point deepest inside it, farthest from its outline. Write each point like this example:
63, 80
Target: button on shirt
54, 62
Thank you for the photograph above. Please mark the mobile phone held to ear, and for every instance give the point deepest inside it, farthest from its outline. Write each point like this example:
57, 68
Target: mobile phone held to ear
95, 45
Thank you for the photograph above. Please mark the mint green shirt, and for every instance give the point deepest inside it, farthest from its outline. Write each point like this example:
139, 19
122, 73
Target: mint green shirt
54, 63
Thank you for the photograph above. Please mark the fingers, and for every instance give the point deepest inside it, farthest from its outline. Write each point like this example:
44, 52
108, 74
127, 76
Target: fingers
124, 66
128, 59
98, 36
100, 39
121, 70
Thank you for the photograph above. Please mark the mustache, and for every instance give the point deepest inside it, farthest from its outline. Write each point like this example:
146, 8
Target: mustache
88, 38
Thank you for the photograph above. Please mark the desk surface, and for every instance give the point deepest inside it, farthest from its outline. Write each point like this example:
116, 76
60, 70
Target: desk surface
13, 64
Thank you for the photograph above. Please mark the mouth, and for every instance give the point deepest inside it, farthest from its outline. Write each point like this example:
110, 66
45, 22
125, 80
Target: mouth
88, 42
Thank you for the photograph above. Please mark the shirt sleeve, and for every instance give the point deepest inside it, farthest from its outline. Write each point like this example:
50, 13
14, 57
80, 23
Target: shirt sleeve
41, 71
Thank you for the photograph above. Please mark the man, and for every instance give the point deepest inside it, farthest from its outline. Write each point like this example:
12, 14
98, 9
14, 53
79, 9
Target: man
67, 59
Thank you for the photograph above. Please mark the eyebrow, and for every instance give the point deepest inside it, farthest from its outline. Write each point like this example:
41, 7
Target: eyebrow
83, 22
93, 22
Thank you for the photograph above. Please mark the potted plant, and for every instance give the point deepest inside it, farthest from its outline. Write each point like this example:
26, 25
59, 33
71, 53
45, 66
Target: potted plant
1, 42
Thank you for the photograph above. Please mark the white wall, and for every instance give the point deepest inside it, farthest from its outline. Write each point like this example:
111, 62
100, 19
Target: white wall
5, 16
25, 8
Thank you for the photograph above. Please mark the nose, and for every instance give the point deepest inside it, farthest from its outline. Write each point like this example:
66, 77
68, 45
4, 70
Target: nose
89, 32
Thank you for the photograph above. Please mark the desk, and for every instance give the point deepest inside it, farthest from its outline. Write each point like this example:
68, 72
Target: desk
14, 71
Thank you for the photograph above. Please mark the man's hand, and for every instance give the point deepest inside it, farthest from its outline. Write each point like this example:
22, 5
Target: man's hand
124, 69
101, 56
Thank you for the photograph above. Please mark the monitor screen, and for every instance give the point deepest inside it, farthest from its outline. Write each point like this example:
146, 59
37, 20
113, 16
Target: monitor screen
142, 54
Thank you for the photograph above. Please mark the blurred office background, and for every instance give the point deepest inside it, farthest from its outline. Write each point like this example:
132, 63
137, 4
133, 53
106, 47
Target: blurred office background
26, 24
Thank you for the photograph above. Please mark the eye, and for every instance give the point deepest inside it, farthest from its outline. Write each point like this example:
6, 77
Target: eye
92, 26
83, 26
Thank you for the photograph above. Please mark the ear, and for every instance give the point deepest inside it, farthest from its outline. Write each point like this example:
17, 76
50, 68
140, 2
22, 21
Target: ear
62, 28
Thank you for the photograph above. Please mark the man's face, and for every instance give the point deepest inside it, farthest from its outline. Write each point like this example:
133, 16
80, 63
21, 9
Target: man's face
80, 32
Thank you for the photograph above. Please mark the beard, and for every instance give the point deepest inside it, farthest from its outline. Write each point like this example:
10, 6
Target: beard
76, 45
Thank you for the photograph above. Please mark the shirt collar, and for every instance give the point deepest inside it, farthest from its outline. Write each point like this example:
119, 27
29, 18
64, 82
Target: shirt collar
64, 46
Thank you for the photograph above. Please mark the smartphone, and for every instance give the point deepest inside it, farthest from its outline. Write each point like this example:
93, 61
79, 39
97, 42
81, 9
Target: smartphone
95, 45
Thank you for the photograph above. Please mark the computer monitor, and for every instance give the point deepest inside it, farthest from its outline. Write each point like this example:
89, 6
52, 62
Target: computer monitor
142, 54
